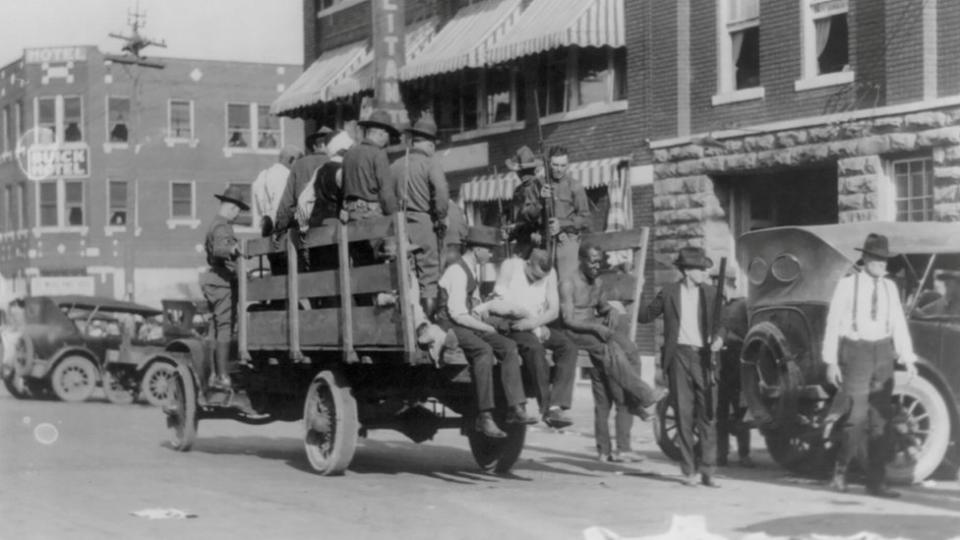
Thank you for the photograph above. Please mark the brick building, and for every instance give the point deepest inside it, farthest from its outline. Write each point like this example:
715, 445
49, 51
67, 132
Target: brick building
771, 112
489, 71
106, 185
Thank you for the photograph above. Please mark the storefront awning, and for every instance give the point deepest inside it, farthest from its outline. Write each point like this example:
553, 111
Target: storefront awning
492, 187
416, 39
464, 41
330, 69
549, 24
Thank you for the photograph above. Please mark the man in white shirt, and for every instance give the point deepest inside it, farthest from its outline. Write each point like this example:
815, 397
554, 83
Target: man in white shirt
268, 188
531, 285
865, 336
480, 341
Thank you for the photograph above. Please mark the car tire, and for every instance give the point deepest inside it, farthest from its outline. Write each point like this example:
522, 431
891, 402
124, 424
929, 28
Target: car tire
74, 379
156, 381
330, 424
928, 428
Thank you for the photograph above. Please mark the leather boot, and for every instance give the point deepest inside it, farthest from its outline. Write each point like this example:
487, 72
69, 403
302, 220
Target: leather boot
486, 425
517, 415
222, 363
839, 481
429, 307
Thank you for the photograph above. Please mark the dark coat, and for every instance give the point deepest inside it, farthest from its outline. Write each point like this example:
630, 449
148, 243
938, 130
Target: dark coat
667, 303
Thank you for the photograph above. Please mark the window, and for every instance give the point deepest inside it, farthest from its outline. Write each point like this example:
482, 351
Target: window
250, 125
7, 128
18, 118
245, 218
739, 47
73, 203
21, 207
181, 200
117, 203
118, 114
180, 122
72, 119
47, 119
49, 204
913, 181
825, 43
8, 208
576, 78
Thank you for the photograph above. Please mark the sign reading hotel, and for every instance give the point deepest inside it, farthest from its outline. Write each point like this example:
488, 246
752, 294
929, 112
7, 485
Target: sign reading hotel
56, 55
388, 56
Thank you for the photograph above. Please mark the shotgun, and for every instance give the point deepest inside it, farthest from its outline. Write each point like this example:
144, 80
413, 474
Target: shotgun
549, 207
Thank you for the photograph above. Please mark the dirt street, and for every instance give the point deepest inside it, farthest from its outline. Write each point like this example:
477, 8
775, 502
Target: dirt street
79, 470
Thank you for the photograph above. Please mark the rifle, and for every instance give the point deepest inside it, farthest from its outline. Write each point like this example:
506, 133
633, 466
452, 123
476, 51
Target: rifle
549, 207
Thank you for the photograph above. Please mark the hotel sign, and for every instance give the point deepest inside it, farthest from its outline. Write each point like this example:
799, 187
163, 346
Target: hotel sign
44, 162
56, 55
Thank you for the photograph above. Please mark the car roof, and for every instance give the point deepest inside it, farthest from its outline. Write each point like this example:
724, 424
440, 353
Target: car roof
107, 304
906, 238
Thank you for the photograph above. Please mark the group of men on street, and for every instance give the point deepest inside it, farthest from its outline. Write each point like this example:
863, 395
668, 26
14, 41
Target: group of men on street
549, 296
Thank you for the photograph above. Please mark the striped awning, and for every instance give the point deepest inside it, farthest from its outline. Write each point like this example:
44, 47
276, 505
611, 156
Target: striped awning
492, 187
329, 70
549, 24
464, 41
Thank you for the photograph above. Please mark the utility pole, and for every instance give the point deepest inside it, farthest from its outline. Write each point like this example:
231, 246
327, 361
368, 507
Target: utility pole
131, 56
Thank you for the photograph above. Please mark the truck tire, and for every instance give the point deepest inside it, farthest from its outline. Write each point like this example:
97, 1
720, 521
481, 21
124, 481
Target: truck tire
330, 424
925, 436
181, 410
497, 455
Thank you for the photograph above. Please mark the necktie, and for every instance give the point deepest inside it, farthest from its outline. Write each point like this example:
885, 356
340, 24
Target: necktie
873, 299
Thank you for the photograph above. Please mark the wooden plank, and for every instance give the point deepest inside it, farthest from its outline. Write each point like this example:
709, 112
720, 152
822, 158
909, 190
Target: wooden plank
242, 311
363, 280
374, 327
368, 229
406, 302
615, 240
293, 301
261, 246
346, 322
639, 265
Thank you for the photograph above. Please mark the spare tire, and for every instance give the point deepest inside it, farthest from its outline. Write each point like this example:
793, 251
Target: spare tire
765, 374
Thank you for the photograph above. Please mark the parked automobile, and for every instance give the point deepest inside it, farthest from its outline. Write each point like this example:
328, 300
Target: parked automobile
792, 274
66, 340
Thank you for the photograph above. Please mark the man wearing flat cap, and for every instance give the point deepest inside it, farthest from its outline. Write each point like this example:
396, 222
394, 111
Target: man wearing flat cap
369, 190
219, 286
866, 335
479, 340
424, 195
687, 308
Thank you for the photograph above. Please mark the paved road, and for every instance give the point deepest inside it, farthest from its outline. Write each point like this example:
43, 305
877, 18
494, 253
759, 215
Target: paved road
79, 470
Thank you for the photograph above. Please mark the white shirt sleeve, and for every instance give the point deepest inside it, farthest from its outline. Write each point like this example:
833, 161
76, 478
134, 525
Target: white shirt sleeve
257, 209
454, 281
839, 306
898, 325
505, 277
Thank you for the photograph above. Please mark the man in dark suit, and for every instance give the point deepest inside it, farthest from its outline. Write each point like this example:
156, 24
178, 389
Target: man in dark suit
689, 336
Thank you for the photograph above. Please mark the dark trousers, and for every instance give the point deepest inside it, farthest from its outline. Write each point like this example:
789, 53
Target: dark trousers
867, 368
694, 400
481, 351
606, 396
427, 260
620, 369
534, 355
729, 412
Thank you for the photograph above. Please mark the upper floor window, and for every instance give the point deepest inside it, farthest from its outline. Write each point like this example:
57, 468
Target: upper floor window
61, 203
46, 119
117, 203
913, 182
575, 78
118, 115
72, 119
181, 201
250, 125
180, 120
826, 53
739, 49
59, 119
22, 206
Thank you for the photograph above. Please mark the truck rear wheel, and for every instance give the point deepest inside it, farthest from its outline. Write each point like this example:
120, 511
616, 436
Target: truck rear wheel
497, 455
330, 424
181, 410
922, 426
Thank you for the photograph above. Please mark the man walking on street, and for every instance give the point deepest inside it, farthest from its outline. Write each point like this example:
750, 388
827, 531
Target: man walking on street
480, 342
423, 193
865, 336
687, 310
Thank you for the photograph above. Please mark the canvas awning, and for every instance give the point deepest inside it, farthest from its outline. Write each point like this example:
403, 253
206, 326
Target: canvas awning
314, 84
491, 187
549, 24
464, 41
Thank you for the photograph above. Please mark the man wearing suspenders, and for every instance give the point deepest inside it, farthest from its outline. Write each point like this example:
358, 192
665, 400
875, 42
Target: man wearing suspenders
865, 336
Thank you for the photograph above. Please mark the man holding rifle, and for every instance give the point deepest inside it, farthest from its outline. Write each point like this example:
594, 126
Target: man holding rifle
692, 335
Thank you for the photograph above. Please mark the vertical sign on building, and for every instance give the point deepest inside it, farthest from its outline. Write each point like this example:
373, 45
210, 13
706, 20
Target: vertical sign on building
388, 56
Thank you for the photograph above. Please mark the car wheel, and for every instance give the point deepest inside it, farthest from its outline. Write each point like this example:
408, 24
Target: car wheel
156, 382
921, 429
74, 378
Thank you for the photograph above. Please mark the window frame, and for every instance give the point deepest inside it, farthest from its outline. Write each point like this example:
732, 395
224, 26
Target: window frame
927, 199
727, 91
193, 202
572, 80
170, 138
62, 120
59, 120
253, 118
810, 76
61, 206
111, 208
107, 121
6, 223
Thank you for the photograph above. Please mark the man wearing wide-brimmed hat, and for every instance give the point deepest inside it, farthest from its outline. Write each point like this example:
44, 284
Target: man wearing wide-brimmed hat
368, 187
424, 196
219, 286
480, 341
302, 171
865, 336
687, 308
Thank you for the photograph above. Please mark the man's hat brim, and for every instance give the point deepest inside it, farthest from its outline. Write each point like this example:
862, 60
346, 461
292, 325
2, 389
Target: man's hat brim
704, 264
424, 134
381, 125
514, 165
878, 254
243, 206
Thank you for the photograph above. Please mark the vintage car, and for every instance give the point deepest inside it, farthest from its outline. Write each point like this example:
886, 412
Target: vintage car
66, 342
792, 274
